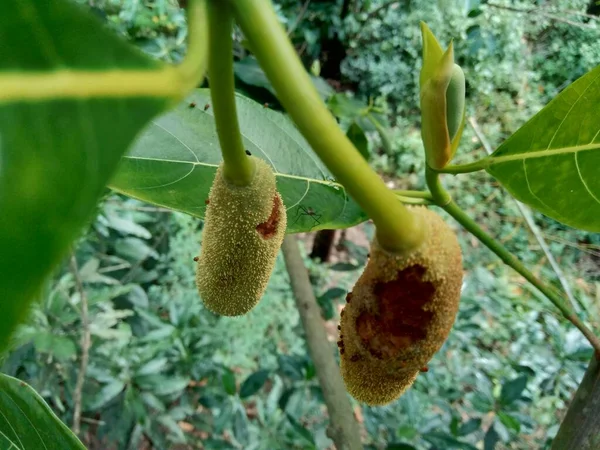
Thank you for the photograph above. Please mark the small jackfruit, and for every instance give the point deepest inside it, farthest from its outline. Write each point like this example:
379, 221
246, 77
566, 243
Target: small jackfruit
399, 313
243, 231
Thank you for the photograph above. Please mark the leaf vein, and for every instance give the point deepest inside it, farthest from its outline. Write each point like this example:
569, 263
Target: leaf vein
583, 181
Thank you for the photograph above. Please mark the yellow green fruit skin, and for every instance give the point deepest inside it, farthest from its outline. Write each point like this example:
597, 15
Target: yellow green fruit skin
236, 260
420, 306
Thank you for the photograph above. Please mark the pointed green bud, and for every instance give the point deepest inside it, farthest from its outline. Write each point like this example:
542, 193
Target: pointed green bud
442, 101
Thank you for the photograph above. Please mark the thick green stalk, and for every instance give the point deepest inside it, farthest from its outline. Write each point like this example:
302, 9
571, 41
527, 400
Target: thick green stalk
443, 200
397, 228
237, 167
193, 67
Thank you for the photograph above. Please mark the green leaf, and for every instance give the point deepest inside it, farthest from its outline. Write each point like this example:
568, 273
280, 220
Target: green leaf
469, 427
301, 430
173, 164
491, 438
509, 421
228, 380
105, 395
447, 441
399, 446
28, 423
512, 390
551, 163
358, 137
63, 129
253, 383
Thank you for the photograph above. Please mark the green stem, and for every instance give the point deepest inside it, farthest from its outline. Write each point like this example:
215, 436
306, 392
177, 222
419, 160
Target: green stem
193, 68
397, 228
414, 200
414, 194
237, 167
466, 168
443, 200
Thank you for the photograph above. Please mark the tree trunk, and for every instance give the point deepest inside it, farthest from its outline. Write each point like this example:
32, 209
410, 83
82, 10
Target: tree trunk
322, 245
343, 429
580, 430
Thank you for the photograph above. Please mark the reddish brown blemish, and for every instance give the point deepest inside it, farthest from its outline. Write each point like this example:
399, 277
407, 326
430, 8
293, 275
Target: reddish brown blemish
424, 369
196, 258
402, 320
207, 201
268, 229
348, 297
355, 357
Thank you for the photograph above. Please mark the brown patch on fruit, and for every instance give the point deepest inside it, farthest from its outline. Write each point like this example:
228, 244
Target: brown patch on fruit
348, 297
402, 319
424, 369
268, 229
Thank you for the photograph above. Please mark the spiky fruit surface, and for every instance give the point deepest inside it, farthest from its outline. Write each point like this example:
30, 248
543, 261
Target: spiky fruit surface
399, 313
243, 231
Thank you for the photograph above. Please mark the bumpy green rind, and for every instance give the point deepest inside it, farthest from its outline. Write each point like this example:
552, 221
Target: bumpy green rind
378, 380
236, 260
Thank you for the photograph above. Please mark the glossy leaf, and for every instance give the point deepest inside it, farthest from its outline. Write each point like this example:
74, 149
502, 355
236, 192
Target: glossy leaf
447, 441
358, 137
253, 383
491, 438
512, 390
28, 423
228, 380
173, 164
60, 139
551, 163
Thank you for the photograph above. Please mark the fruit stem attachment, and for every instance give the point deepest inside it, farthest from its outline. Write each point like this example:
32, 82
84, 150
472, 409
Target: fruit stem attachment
443, 200
238, 169
193, 67
397, 228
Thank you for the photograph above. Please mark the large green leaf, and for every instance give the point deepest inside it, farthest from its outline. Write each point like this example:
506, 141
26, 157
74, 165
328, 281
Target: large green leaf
174, 162
64, 124
28, 423
552, 163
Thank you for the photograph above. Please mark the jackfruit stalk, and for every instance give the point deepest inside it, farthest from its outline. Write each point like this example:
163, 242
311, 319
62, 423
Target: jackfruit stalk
243, 231
399, 313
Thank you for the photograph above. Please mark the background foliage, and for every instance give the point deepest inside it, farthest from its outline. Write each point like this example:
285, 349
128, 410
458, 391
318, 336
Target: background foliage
165, 373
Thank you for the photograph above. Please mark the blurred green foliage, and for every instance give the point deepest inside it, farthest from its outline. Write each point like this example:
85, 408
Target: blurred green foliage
166, 373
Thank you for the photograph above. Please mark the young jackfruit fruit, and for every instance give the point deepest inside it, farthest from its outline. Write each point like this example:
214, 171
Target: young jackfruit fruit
399, 313
243, 231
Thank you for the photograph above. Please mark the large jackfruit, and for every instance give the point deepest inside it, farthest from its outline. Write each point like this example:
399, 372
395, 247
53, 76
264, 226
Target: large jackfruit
399, 313
243, 231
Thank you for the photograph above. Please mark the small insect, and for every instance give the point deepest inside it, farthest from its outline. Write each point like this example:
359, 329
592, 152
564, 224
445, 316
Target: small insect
207, 201
304, 211
192, 105
196, 259
248, 152
424, 369
206, 107
339, 327
266, 105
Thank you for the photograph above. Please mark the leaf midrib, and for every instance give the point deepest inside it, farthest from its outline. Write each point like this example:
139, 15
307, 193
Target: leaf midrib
331, 184
492, 160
